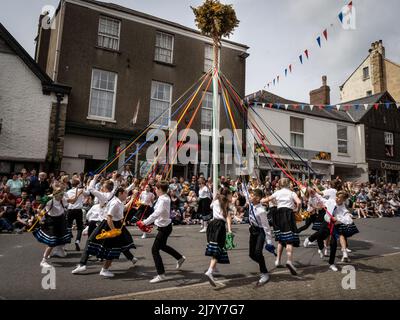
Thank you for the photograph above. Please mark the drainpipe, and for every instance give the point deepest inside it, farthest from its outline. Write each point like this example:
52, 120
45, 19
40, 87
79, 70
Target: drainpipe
60, 97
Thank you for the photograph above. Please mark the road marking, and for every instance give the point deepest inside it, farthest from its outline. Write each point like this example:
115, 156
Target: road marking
223, 282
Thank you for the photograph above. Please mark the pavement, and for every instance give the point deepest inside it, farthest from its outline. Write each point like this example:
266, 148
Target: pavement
375, 258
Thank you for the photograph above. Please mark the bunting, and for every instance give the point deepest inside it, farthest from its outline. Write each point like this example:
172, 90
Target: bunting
306, 53
319, 41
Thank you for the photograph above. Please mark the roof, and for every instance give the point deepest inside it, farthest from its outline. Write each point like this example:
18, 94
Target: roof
348, 78
263, 96
358, 113
117, 7
47, 83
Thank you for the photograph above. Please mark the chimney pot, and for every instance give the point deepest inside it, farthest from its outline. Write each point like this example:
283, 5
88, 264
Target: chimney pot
324, 80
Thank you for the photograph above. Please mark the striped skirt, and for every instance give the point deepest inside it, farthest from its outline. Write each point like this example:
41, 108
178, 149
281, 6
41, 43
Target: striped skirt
285, 229
347, 230
111, 248
319, 218
216, 236
53, 231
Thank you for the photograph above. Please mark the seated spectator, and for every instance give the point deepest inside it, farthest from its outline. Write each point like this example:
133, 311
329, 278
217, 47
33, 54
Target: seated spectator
15, 184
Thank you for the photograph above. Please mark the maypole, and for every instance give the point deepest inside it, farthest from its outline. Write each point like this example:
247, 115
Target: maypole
215, 20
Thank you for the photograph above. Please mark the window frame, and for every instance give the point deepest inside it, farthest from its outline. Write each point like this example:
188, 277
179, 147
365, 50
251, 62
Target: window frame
363, 71
157, 47
207, 45
389, 143
100, 118
157, 125
109, 35
340, 126
295, 132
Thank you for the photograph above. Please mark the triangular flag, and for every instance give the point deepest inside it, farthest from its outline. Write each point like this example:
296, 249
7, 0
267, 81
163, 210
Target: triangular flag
311, 107
285, 72
341, 17
290, 68
321, 106
357, 106
319, 41
325, 33
255, 104
278, 78
296, 106
387, 105
338, 107
286, 106
347, 107
306, 52
366, 106
274, 81
376, 106
398, 106
301, 58
263, 105
329, 107
270, 105
350, 5
278, 105
268, 85
302, 107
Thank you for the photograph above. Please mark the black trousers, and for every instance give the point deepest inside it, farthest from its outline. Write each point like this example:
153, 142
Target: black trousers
85, 257
160, 243
256, 246
322, 234
77, 215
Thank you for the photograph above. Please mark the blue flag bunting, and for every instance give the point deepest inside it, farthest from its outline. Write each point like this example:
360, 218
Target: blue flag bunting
278, 105
387, 105
319, 41
341, 17
285, 72
274, 81
301, 58
302, 107
357, 106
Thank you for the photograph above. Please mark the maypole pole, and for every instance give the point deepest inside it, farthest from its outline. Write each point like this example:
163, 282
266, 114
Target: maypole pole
215, 20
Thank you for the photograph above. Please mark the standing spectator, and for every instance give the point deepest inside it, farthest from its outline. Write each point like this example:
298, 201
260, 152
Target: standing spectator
15, 185
126, 172
39, 187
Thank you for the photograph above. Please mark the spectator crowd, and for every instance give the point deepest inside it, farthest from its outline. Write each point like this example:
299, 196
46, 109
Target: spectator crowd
23, 196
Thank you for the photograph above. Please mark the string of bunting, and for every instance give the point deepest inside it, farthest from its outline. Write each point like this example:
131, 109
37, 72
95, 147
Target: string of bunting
337, 107
305, 55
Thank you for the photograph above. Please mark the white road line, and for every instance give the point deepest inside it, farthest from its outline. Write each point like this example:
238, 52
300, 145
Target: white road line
223, 282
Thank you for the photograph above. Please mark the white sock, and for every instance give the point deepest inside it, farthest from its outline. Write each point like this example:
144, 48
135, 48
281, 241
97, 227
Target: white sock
210, 270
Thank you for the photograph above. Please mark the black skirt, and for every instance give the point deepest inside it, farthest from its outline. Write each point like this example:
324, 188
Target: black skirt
216, 237
53, 231
285, 229
204, 209
319, 219
270, 215
347, 230
111, 248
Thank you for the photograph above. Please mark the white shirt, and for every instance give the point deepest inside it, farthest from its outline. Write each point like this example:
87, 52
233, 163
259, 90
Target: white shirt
162, 212
262, 220
115, 209
125, 174
204, 192
330, 194
72, 194
217, 211
316, 202
147, 198
54, 208
343, 215
285, 198
99, 213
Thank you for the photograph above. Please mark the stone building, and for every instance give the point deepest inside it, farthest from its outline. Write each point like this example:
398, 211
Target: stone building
376, 74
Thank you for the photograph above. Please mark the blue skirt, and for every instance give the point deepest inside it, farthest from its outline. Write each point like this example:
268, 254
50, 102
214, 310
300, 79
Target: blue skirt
53, 231
347, 230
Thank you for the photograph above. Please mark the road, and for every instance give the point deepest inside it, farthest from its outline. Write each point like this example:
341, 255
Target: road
375, 256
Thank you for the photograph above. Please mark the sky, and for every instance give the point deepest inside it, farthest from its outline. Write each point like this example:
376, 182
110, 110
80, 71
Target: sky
277, 32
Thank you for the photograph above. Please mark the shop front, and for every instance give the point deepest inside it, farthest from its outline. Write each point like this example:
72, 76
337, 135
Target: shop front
383, 171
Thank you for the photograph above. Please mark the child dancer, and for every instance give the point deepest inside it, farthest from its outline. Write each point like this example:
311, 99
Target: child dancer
146, 200
111, 248
260, 233
161, 218
216, 233
284, 222
204, 204
53, 231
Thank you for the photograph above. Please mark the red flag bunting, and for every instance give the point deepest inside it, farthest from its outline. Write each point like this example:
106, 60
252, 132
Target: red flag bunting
290, 68
326, 34
376, 106
270, 105
321, 107
296, 106
306, 52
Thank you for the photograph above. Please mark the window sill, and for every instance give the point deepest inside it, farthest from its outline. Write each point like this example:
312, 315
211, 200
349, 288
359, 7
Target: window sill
343, 155
365, 79
101, 119
165, 63
108, 49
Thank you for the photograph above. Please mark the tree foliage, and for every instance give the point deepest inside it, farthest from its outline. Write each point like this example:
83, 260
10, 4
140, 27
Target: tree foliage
215, 19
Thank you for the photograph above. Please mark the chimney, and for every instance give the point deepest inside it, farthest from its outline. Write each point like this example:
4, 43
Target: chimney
321, 95
377, 62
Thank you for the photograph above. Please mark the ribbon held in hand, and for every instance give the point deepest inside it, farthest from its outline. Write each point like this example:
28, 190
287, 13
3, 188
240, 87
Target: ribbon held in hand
270, 248
229, 244
143, 227
108, 234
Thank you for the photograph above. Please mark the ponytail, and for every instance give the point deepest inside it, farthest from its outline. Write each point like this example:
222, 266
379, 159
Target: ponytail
224, 201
